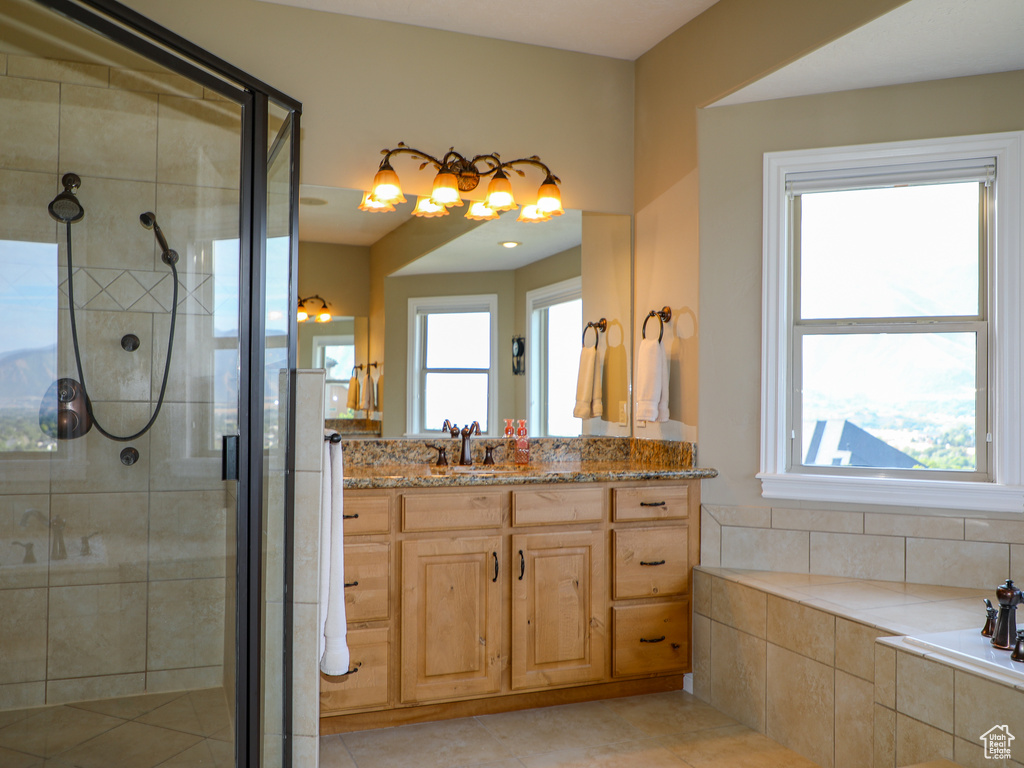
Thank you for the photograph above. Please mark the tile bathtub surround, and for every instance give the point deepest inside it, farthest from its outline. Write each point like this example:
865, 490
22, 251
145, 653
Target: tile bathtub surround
957, 551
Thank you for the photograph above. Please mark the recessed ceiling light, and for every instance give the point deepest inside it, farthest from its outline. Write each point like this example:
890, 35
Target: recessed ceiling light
509, 244
312, 201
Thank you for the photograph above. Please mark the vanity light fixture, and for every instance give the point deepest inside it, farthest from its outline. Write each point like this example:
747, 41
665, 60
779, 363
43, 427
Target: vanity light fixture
457, 174
307, 311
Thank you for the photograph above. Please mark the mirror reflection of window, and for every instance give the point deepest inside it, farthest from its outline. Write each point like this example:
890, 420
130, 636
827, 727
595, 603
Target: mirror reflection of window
337, 356
553, 349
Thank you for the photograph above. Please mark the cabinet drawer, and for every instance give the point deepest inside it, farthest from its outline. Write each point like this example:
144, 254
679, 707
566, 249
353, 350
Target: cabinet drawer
651, 639
368, 687
668, 502
650, 562
366, 581
550, 506
450, 511
366, 514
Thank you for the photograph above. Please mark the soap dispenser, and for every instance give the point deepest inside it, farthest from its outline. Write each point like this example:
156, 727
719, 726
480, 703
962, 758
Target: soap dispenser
522, 453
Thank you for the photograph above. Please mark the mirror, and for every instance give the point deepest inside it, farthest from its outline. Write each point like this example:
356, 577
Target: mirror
438, 294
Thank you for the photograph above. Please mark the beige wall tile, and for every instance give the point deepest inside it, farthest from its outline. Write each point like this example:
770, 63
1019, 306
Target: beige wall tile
22, 635
92, 464
191, 375
921, 526
885, 737
96, 630
738, 668
982, 703
972, 755
305, 751
111, 373
273, 666
1017, 563
885, 675
192, 218
860, 556
22, 695
58, 71
91, 688
28, 133
924, 690
184, 679
23, 200
108, 133
199, 142
710, 540
155, 82
3, 63
30, 476
855, 648
116, 525
188, 534
185, 626
818, 520
765, 549
24, 519
738, 606
800, 704
957, 563
1002, 531
742, 517
917, 742
854, 721
184, 456
702, 657
306, 671
111, 237
309, 418
701, 592
306, 582
801, 629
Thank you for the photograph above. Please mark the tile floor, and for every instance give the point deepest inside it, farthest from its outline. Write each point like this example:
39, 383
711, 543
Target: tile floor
171, 730
661, 730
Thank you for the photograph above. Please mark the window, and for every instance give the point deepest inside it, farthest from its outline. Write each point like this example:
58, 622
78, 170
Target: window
337, 355
553, 347
452, 362
891, 338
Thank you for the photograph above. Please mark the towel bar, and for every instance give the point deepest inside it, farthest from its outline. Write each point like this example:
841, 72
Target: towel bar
664, 315
332, 438
599, 327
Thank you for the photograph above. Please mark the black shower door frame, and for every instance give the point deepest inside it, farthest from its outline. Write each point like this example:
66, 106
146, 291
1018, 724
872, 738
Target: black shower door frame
147, 38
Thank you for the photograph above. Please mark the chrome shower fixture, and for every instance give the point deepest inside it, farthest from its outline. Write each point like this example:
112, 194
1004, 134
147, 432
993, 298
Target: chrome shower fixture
65, 207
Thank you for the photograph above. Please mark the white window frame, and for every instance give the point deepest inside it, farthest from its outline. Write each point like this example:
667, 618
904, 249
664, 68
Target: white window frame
418, 307
1004, 493
336, 340
541, 298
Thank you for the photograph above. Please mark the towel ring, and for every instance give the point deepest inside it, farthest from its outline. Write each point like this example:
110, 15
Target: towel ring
599, 327
664, 316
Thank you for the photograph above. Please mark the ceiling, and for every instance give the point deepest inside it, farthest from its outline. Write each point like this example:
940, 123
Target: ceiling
921, 40
621, 30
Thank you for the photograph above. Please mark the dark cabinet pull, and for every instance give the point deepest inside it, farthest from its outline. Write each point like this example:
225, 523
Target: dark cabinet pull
351, 583
350, 517
652, 503
653, 562
350, 672
495, 555
522, 565
655, 640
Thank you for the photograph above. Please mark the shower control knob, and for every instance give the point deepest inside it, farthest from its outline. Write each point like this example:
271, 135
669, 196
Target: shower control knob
130, 342
129, 456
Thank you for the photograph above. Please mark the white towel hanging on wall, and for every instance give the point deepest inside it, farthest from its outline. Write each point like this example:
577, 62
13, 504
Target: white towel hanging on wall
334, 654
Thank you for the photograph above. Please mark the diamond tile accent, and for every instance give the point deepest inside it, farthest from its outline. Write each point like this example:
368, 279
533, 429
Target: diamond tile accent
137, 290
126, 290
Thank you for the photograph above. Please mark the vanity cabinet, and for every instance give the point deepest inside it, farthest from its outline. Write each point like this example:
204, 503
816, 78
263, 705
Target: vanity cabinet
501, 597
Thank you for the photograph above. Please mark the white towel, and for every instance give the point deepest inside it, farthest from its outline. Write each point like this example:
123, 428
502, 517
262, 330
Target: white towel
651, 382
585, 383
353, 393
597, 399
366, 399
334, 656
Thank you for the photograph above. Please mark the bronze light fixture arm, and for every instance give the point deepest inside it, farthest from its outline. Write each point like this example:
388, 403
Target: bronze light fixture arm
467, 170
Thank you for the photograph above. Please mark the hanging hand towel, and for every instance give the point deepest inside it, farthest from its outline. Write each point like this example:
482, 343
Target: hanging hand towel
353, 393
366, 401
650, 361
597, 399
585, 383
334, 655
663, 399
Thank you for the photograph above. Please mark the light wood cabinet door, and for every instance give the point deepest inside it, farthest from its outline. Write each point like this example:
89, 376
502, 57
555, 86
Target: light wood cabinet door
559, 608
451, 618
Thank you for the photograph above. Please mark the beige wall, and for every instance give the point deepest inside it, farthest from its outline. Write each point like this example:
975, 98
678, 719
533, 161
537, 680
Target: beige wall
732, 143
721, 50
368, 84
339, 273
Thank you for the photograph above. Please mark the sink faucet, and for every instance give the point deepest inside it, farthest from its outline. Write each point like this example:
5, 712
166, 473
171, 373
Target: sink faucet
466, 457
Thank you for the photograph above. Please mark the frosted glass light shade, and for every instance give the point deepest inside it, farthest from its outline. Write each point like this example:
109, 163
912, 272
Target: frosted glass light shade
369, 203
446, 189
386, 188
549, 198
426, 208
499, 193
479, 211
531, 214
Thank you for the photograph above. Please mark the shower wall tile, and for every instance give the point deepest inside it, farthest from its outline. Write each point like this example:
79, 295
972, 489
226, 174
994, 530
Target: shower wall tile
117, 526
25, 476
187, 530
23, 200
194, 361
22, 695
110, 236
155, 82
97, 630
92, 464
192, 218
25, 519
108, 133
184, 679
69, 72
3, 64
112, 374
306, 584
28, 133
184, 627
186, 448
199, 142
92, 688
22, 635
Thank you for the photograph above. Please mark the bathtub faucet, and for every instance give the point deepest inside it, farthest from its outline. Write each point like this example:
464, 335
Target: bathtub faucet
1006, 625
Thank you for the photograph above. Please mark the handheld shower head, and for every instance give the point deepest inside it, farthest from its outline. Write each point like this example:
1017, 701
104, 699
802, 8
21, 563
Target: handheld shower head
148, 220
65, 207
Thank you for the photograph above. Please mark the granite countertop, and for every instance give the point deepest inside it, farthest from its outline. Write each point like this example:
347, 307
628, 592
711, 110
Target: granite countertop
426, 475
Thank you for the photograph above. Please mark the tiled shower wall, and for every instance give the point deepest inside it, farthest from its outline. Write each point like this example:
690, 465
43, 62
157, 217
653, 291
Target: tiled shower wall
926, 549
145, 610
